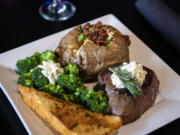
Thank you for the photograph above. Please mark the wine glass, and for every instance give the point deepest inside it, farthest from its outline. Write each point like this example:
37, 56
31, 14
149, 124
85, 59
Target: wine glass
57, 10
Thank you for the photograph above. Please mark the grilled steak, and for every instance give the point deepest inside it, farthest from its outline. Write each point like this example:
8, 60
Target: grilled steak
122, 103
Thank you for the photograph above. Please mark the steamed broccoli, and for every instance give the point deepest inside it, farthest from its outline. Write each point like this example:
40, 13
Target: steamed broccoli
68, 97
25, 80
47, 55
25, 65
69, 81
71, 69
82, 93
38, 78
55, 90
95, 101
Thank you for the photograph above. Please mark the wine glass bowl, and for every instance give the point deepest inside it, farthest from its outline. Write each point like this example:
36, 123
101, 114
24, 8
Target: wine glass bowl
57, 10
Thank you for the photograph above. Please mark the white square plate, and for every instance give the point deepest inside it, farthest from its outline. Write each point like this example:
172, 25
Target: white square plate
164, 111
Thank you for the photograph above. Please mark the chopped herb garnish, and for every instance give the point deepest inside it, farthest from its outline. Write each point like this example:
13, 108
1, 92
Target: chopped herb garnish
81, 37
90, 29
86, 40
110, 38
129, 83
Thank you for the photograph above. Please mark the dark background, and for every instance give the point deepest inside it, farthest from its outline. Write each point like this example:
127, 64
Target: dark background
21, 23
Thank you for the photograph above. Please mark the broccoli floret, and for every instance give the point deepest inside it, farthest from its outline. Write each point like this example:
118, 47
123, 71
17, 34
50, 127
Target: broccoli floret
95, 101
47, 55
68, 97
38, 78
69, 81
35, 57
55, 90
25, 65
25, 80
58, 91
82, 93
71, 69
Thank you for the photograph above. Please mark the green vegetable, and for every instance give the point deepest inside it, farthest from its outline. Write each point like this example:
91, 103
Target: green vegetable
76, 92
90, 29
80, 37
55, 90
71, 69
69, 81
86, 40
98, 101
129, 83
47, 55
25, 80
69, 85
38, 78
95, 101
68, 97
110, 38
25, 65
82, 93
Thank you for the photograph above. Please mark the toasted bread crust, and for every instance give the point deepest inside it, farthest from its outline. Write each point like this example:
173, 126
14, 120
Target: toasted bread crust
68, 118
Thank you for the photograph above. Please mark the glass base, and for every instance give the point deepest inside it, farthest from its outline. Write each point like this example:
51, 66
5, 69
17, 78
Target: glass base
59, 11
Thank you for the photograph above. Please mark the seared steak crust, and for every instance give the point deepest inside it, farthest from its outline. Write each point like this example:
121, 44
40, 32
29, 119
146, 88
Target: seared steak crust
122, 103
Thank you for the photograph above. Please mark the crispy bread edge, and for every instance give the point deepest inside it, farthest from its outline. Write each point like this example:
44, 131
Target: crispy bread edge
27, 94
30, 97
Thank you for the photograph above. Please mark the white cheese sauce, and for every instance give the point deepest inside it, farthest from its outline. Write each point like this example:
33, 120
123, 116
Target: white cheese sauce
51, 69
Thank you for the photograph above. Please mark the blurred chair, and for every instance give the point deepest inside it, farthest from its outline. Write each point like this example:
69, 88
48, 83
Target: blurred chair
164, 16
